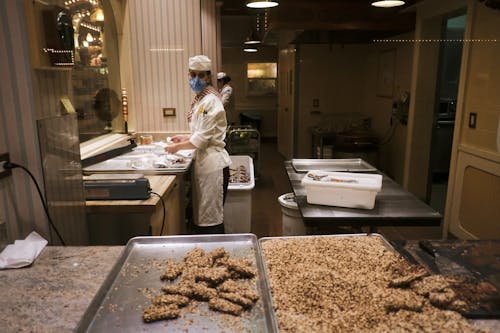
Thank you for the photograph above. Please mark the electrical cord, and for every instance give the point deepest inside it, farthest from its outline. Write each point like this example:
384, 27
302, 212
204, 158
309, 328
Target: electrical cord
390, 132
10, 165
164, 213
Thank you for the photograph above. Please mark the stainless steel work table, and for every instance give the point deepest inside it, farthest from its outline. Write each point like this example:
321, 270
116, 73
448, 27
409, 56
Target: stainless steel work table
394, 206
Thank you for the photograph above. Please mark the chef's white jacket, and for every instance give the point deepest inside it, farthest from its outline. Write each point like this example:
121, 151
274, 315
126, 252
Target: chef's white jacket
208, 130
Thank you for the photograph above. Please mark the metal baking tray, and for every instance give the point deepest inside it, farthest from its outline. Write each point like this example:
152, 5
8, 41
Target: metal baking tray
339, 164
382, 238
118, 305
122, 164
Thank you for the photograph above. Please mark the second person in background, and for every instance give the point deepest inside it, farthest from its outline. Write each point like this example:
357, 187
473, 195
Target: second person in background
226, 92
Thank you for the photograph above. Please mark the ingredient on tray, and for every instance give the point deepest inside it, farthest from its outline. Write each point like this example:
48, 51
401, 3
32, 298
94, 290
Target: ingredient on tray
346, 284
225, 283
239, 175
316, 177
159, 312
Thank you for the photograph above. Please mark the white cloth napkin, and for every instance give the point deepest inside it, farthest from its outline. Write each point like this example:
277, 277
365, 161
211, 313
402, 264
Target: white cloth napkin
22, 252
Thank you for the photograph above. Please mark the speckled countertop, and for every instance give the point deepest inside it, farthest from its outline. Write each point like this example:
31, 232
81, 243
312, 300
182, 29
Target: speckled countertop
53, 293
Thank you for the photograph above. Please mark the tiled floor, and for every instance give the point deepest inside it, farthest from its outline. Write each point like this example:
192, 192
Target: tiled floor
272, 182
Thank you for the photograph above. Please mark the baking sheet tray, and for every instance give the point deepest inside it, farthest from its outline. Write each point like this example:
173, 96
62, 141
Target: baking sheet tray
481, 258
340, 164
382, 238
118, 305
125, 163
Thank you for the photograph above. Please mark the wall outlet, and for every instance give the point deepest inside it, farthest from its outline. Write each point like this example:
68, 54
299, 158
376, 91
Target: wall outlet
4, 158
472, 120
168, 112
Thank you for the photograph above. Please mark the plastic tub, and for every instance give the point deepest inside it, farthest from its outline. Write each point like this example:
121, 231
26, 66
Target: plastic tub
292, 223
342, 189
238, 206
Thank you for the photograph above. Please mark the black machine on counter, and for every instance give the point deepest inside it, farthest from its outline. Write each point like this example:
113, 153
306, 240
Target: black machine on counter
116, 187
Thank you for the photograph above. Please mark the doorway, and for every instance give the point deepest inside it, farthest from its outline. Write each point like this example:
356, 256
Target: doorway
448, 76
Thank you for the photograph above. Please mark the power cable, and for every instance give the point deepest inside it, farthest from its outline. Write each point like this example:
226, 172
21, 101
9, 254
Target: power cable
390, 132
10, 165
164, 213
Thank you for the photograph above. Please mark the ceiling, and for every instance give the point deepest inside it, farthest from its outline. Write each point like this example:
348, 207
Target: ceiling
316, 21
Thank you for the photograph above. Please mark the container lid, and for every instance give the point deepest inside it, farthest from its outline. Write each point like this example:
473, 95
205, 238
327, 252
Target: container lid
360, 181
288, 200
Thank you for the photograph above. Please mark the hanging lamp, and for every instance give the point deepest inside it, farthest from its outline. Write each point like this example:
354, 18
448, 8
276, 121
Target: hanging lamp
252, 39
387, 3
249, 49
262, 3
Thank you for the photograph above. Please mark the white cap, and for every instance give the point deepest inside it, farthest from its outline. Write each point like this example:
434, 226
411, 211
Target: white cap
221, 75
200, 63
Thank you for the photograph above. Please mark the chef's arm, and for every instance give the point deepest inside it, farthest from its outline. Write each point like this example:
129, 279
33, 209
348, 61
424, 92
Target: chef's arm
174, 148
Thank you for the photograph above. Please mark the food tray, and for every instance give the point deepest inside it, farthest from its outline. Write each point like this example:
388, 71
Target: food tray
139, 162
118, 305
342, 189
382, 238
339, 164
247, 163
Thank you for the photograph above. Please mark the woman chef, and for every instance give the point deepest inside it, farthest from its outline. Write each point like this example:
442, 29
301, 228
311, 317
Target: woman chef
207, 122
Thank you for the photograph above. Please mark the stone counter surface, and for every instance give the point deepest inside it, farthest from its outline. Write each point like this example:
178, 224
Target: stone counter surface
53, 293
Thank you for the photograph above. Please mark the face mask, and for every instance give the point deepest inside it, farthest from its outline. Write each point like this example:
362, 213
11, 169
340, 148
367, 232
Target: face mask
197, 85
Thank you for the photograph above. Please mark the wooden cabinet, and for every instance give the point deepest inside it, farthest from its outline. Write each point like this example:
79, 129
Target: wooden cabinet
114, 222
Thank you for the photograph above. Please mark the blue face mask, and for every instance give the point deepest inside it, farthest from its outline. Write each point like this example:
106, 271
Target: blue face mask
197, 85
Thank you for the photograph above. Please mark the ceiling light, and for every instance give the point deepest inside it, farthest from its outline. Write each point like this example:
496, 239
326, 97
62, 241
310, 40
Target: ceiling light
387, 3
250, 49
252, 39
262, 3
89, 38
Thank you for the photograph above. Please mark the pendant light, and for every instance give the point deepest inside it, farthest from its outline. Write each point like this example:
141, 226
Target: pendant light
387, 3
252, 39
250, 49
262, 3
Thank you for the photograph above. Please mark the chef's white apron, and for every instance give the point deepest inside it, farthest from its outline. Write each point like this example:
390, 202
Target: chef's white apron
208, 128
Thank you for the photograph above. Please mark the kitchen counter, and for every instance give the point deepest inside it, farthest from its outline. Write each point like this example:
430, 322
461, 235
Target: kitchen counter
393, 206
53, 293
114, 222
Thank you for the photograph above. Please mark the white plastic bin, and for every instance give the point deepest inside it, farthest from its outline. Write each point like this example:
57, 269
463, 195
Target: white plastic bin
342, 189
238, 206
291, 218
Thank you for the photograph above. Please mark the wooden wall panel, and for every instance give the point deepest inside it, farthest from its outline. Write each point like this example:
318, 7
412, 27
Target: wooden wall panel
476, 213
20, 205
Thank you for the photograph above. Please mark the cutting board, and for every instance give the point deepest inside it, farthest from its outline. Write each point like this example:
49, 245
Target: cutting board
481, 258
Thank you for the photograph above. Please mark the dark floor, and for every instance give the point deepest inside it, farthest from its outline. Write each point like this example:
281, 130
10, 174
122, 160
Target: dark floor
272, 181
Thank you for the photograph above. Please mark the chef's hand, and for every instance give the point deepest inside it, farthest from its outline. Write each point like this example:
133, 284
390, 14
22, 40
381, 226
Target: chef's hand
172, 149
179, 138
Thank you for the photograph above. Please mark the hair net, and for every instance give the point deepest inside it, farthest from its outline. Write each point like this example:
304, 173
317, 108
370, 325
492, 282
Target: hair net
200, 63
221, 75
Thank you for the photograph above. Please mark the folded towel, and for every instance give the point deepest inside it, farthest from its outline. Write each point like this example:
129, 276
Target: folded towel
22, 252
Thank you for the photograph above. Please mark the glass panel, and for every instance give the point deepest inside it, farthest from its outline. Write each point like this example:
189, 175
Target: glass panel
81, 35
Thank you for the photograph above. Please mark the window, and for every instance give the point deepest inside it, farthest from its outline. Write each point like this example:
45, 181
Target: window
262, 77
